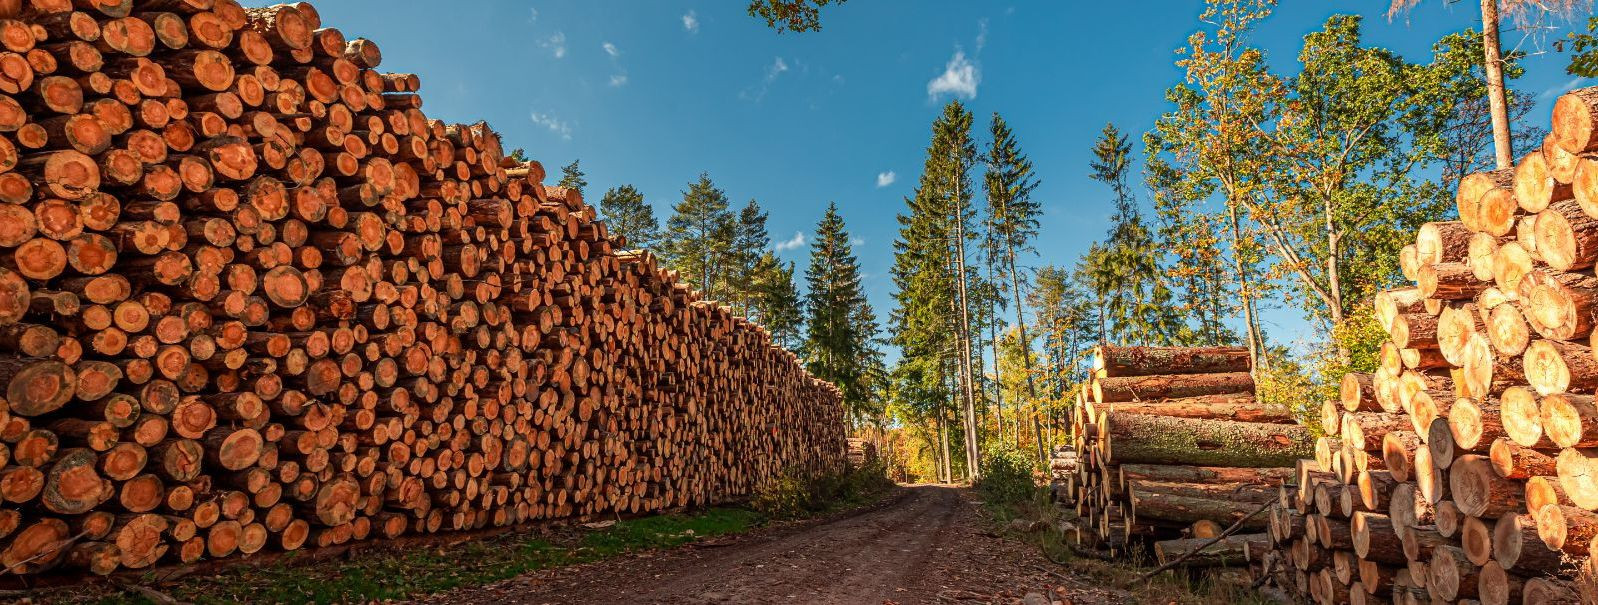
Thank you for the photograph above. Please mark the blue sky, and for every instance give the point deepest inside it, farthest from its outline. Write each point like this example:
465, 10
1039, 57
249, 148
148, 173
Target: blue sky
651, 93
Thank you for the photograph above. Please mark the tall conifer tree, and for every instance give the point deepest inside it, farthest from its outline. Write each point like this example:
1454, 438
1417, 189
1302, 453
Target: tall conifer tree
627, 215
841, 337
699, 237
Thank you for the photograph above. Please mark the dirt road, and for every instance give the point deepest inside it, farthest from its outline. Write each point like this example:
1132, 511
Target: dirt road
927, 547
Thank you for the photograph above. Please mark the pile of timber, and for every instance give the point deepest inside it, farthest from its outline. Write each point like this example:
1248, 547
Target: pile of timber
1173, 446
1462, 469
860, 452
252, 298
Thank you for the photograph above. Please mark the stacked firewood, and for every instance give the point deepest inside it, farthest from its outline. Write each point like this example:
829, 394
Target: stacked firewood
1172, 446
252, 298
1460, 470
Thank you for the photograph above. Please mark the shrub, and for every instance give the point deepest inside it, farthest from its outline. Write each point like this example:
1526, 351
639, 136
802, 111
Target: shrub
1007, 474
791, 496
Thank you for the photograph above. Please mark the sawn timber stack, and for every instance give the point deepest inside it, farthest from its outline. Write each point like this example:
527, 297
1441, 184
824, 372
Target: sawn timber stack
1172, 444
252, 298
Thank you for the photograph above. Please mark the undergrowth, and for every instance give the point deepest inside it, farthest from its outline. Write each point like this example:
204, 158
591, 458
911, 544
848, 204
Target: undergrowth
793, 496
1011, 492
399, 574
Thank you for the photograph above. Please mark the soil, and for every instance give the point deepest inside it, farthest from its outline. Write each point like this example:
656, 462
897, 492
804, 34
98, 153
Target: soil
929, 544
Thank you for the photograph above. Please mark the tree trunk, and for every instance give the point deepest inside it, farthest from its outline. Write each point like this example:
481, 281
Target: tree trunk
1497, 101
963, 331
1244, 284
1133, 438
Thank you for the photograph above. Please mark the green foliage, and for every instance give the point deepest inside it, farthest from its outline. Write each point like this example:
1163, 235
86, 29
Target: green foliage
785, 497
1007, 474
1124, 272
1583, 47
699, 237
1287, 384
571, 176
626, 214
790, 15
935, 302
402, 574
793, 496
779, 306
841, 346
1067, 320
518, 155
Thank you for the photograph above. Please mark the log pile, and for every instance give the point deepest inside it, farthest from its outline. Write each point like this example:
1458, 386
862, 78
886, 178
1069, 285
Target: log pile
1463, 469
252, 298
1172, 445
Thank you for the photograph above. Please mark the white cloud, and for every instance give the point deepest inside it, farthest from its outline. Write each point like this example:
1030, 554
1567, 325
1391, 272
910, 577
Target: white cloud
1559, 89
618, 80
610, 49
960, 77
555, 125
534, 16
690, 22
556, 44
796, 241
756, 93
982, 33
857, 241
886, 178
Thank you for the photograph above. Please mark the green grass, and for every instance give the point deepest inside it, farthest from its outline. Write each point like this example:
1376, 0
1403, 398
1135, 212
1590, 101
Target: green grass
390, 574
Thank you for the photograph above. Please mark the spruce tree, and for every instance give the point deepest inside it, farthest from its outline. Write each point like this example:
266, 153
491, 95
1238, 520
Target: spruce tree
932, 322
572, 177
699, 237
750, 242
779, 304
627, 215
841, 328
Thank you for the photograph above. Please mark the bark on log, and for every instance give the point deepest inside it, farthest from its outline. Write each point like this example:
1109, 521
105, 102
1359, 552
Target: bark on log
1132, 438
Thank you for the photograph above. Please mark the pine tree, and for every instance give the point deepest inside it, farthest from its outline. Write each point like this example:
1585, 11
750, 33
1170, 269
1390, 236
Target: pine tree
1012, 223
518, 155
699, 237
571, 176
627, 215
841, 329
1126, 271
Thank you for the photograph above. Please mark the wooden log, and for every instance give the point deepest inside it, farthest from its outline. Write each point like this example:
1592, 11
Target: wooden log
1144, 388
1479, 491
1241, 408
1228, 552
1132, 438
1113, 361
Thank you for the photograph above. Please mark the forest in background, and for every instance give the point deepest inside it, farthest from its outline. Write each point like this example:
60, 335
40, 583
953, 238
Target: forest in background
1269, 182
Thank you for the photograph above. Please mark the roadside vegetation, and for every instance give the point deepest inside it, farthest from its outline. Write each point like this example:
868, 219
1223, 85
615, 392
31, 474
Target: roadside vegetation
393, 572
1019, 507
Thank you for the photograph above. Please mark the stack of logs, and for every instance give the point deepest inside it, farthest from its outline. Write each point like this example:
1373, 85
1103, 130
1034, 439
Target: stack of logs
252, 298
1461, 469
1173, 447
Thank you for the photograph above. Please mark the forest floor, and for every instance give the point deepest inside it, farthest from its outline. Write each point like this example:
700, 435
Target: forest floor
929, 544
